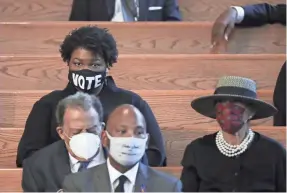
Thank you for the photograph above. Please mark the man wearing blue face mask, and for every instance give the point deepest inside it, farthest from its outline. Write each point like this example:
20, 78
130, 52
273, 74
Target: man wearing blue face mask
80, 120
126, 140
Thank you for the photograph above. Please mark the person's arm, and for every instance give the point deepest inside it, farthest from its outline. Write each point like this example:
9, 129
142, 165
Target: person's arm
189, 176
80, 10
156, 151
29, 181
261, 14
36, 133
281, 172
171, 11
279, 98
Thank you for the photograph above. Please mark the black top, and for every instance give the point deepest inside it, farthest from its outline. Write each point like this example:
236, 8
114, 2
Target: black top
279, 98
40, 128
262, 167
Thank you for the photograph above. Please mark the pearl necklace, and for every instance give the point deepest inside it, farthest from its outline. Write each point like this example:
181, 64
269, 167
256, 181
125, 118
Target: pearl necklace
233, 150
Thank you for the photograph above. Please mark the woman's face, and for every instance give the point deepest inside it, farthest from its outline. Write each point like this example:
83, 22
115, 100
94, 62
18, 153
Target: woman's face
84, 59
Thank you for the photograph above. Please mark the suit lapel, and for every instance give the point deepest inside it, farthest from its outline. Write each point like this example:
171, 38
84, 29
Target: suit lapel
61, 162
110, 4
143, 10
102, 177
142, 179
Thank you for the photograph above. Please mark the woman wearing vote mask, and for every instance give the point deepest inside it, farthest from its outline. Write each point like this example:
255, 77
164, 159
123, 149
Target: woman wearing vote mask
236, 158
89, 52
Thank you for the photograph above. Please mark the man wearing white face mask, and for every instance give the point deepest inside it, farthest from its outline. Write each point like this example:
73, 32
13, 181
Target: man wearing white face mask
126, 140
79, 117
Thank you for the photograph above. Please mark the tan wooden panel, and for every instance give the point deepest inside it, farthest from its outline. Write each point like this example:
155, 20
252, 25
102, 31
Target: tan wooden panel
209, 10
176, 140
150, 72
171, 108
59, 10
146, 38
35, 10
10, 179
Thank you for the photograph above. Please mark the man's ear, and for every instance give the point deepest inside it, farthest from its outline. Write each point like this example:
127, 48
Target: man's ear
60, 131
105, 139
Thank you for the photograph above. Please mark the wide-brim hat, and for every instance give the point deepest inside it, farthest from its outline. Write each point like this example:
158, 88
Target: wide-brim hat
234, 88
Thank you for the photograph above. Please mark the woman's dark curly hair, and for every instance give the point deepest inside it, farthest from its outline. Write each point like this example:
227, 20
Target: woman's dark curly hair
97, 40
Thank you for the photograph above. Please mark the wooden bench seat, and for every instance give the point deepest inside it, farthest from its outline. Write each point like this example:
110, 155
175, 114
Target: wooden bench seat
10, 179
146, 38
176, 140
149, 72
171, 107
59, 10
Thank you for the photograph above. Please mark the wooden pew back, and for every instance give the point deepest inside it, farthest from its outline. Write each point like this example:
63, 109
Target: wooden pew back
148, 72
59, 10
146, 38
176, 140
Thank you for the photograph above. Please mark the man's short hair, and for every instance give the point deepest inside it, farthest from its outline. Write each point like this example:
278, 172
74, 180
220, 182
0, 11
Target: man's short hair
78, 100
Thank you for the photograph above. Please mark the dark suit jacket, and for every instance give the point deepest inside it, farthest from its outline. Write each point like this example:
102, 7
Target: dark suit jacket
261, 14
103, 10
97, 179
279, 98
40, 128
46, 169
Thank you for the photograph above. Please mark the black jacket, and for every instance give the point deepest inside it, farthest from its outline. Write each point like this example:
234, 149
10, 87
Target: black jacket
279, 98
264, 13
46, 169
103, 10
40, 128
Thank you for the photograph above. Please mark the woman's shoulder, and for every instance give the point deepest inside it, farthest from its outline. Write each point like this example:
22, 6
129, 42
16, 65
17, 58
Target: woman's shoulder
53, 97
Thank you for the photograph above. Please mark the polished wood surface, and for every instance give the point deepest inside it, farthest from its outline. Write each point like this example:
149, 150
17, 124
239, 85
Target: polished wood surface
146, 38
149, 72
171, 107
176, 140
59, 10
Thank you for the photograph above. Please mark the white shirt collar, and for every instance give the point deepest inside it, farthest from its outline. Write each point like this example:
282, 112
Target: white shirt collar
115, 174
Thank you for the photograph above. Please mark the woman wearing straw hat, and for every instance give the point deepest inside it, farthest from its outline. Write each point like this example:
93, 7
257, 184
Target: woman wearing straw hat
234, 158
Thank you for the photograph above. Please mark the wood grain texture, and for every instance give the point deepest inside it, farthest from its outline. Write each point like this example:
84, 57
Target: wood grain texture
149, 72
59, 10
35, 10
175, 139
146, 38
171, 108
10, 179
208, 10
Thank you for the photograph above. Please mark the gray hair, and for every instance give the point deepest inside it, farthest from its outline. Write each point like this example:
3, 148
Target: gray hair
81, 100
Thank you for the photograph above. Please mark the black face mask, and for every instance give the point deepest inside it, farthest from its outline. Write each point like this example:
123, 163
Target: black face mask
87, 80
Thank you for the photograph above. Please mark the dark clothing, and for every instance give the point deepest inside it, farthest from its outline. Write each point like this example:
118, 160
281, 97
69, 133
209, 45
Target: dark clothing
279, 98
103, 10
258, 15
40, 129
46, 169
261, 14
261, 168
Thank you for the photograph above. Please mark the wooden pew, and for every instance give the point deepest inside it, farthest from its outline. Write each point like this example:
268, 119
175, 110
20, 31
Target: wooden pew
10, 179
171, 107
176, 140
146, 38
150, 72
59, 10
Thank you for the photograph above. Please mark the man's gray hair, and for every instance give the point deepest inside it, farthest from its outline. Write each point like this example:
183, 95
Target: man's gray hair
78, 100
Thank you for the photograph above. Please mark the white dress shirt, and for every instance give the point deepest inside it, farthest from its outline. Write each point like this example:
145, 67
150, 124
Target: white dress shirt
121, 13
115, 174
75, 164
240, 13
